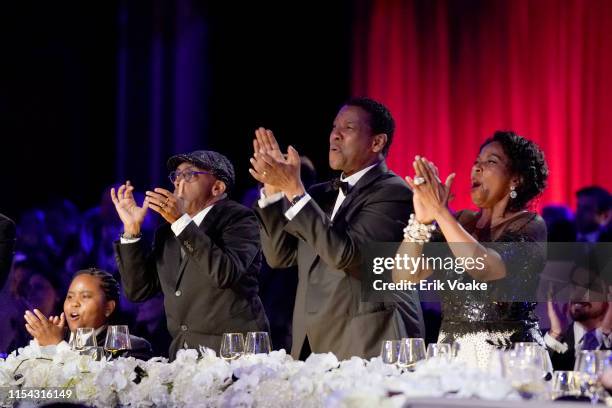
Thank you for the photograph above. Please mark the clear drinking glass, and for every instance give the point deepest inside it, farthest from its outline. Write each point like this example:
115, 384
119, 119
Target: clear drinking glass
389, 351
84, 339
257, 343
544, 357
412, 350
441, 350
117, 339
523, 368
590, 364
565, 383
232, 346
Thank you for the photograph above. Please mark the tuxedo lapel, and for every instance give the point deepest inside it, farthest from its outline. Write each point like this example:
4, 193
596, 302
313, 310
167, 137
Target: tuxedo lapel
362, 185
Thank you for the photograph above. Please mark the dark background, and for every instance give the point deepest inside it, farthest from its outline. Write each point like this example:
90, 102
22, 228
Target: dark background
92, 94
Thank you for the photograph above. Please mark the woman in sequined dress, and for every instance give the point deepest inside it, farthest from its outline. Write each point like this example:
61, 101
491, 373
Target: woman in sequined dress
509, 172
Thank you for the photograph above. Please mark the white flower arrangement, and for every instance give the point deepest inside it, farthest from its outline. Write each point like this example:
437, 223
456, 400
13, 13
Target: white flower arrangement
264, 380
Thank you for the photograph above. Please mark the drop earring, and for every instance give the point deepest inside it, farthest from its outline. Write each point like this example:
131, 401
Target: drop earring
513, 193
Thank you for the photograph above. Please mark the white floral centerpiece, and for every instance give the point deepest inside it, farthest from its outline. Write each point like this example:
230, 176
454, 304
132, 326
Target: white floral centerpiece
262, 380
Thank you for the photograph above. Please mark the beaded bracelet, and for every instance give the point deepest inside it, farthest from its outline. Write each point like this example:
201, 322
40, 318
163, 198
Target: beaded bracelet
417, 232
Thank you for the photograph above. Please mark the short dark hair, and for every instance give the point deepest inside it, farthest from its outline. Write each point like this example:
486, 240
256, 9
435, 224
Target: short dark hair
108, 283
381, 120
527, 161
600, 194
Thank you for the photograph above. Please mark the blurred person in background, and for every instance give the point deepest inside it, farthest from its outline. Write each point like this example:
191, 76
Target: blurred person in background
593, 214
7, 247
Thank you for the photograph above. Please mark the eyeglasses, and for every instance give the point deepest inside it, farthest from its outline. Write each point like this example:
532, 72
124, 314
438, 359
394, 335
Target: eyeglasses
186, 174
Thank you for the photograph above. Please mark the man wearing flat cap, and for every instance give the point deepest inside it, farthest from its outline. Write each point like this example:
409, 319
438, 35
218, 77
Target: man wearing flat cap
206, 258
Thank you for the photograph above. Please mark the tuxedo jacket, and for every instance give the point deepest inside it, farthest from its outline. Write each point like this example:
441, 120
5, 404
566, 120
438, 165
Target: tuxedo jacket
328, 309
7, 245
565, 361
213, 288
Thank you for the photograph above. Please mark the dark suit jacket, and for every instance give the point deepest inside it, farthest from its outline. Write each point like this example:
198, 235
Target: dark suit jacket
328, 307
213, 289
565, 361
7, 245
141, 348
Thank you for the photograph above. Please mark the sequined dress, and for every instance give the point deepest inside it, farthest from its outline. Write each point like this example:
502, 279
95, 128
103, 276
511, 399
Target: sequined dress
478, 321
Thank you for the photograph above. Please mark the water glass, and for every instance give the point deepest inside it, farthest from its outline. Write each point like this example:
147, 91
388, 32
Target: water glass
412, 350
389, 351
84, 339
232, 346
565, 383
257, 343
441, 350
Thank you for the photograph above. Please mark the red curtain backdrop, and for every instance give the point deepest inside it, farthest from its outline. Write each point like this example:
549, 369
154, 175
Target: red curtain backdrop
452, 72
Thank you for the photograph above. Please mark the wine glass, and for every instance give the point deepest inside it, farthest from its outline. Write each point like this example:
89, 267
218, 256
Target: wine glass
412, 350
84, 339
389, 351
591, 364
117, 339
544, 357
232, 346
257, 343
441, 350
523, 368
565, 383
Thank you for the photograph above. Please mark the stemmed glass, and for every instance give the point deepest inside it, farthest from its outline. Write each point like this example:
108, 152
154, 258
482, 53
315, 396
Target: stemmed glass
440, 350
565, 383
591, 364
84, 339
412, 350
389, 351
257, 343
232, 346
544, 357
117, 339
523, 367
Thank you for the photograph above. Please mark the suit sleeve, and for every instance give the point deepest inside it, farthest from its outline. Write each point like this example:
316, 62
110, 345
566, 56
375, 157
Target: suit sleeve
381, 219
279, 247
7, 246
138, 269
226, 261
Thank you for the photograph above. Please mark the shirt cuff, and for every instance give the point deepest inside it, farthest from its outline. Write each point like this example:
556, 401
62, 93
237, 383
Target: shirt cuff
294, 209
264, 201
128, 240
607, 340
179, 225
555, 344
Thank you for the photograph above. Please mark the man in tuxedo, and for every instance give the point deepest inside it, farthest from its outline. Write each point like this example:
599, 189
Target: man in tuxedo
7, 246
205, 259
323, 232
590, 329
593, 215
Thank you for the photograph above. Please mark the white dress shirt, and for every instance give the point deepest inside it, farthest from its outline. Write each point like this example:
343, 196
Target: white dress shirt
294, 209
579, 332
179, 225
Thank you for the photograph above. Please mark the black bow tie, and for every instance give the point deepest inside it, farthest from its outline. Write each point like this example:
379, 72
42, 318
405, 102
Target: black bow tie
341, 185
